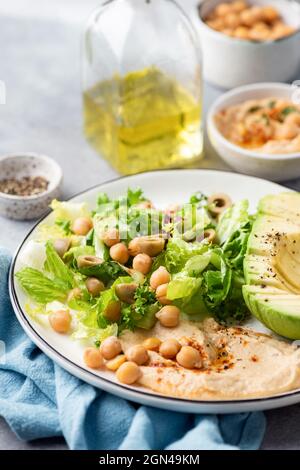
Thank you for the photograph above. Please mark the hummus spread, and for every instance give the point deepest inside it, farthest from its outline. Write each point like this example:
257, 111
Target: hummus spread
237, 363
269, 125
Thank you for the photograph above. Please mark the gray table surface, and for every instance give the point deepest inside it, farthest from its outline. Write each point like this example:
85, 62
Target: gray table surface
40, 64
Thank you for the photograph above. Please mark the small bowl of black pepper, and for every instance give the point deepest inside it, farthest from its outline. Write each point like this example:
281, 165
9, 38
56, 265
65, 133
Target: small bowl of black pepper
28, 184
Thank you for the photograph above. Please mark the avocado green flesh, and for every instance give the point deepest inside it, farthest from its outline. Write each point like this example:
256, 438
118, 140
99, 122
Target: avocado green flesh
272, 265
280, 315
285, 206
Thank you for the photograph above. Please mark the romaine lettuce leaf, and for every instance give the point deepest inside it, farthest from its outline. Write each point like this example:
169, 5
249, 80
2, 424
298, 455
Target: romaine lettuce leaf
178, 252
41, 288
97, 335
65, 226
236, 246
50, 232
231, 220
184, 286
73, 253
196, 265
57, 268
69, 211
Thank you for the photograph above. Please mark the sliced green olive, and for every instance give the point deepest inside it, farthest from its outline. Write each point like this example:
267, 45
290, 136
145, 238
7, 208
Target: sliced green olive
218, 203
113, 311
151, 245
126, 292
209, 235
61, 246
88, 261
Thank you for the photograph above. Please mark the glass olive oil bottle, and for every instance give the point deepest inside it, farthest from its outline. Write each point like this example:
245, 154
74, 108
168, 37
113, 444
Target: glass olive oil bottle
143, 114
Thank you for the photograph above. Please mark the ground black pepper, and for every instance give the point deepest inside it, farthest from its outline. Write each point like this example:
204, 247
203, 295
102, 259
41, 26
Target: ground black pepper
26, 186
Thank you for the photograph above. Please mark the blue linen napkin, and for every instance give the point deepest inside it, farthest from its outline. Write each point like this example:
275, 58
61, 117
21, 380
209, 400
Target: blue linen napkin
40, 399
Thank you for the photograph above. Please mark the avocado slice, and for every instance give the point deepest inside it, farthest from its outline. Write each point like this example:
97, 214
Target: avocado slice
272, 265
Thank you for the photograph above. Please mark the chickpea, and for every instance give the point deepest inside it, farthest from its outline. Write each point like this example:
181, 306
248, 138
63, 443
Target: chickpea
269, 14
281, 30
142, 263
128, 373
145, 205
119, 253
293, 119
238, 6
169, 348
241, 32
158, 277
248, 18
228, 31
189, 358
152, 344
93, 358
217, 24
94, 286
287, 131
232, 20
161, 294
168, 316
223, 9
115, 363
60, 321
259, 35
111, 237
110, 347
137, 354
74, 294
260, 26
61, 246
82, 225
113, 311
257, 14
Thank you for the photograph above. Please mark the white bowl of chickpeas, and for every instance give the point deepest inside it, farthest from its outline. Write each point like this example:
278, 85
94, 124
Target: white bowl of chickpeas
255, 129
246, 41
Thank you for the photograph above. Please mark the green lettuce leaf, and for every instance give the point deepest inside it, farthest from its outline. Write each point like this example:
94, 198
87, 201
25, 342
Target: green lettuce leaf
97, 335
181, 287
65, 225
41, 288
231, 220
135, 196
59, 270
236, 246
73, 253
178, 252
107, 271
69, 211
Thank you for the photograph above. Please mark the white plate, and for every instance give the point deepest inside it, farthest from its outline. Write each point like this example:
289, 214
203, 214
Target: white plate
162, 187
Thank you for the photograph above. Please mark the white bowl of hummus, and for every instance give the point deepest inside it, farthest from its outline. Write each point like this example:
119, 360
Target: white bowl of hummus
255, 129
246, 44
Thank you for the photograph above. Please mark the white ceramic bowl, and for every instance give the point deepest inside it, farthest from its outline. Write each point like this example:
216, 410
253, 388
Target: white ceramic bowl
29, 164
231, 62
277, 167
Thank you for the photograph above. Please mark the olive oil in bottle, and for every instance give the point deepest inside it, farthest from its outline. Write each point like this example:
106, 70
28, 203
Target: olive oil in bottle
145, 120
